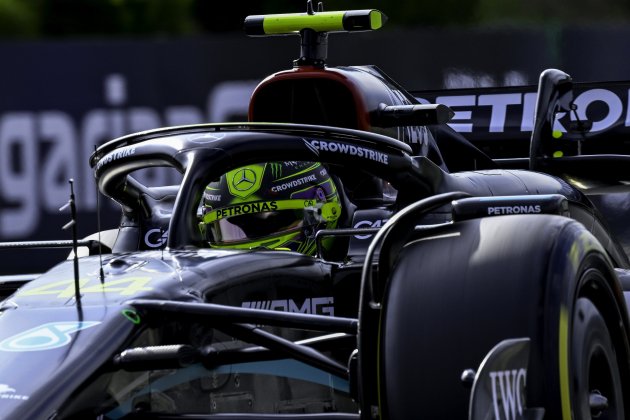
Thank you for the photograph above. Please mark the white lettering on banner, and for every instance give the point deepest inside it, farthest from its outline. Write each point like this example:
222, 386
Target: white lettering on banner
115, 89
40, 151
529, 109
18, 174
37, 149
464, 78
612, 101
229, 99
508, 390
501, 104
58, 130
498, 104
457, 102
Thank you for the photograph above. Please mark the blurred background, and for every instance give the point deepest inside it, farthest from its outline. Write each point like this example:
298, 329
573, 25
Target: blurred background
77, 73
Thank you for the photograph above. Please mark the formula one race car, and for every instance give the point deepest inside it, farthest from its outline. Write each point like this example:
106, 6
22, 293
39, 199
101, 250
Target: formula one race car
431, 280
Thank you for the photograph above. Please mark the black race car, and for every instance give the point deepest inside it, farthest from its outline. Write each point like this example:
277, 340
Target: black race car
457, 286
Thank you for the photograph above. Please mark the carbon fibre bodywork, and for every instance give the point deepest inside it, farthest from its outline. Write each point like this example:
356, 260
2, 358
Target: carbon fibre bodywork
462, 276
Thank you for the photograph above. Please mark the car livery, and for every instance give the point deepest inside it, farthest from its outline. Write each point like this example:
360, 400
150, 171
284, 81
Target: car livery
457, 284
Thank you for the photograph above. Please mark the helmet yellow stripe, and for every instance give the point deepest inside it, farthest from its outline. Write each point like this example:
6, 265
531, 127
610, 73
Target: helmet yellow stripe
330, 210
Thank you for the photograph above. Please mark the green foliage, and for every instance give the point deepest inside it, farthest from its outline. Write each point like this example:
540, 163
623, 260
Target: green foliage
123, 17
415, 12
30, 18
557, 11
18, 18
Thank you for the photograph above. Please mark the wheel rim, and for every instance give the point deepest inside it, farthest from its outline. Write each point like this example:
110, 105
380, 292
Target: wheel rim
596, 379
601, 393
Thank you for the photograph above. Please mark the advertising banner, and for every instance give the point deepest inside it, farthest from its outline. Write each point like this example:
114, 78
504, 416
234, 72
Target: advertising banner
60, 99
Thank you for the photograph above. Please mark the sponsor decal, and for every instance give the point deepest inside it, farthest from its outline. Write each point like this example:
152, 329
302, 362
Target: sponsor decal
8, 393
368, 224
508, 390
247, 208
5, 388
212, 197
35, 164
316, 305
294, 183
64, 289
276, 168
500, 210
244, 179
514, 110
45, 337
115, 155
351, 150
243, 182
156, 238
499, 387
206, 137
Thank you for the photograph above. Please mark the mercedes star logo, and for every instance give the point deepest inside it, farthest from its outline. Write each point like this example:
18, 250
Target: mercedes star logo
244, 179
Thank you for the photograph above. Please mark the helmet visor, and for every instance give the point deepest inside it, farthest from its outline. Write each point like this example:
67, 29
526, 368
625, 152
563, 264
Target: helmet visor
247, 227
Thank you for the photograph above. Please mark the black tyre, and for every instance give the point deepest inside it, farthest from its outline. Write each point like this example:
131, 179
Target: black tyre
597, 388
451, 293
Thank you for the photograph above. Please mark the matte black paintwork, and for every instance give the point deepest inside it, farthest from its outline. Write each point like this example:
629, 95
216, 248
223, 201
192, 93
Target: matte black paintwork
225, 277
187, 272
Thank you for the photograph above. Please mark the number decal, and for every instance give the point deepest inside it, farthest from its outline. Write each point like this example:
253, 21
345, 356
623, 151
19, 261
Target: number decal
64, 289
124, 287
55, 288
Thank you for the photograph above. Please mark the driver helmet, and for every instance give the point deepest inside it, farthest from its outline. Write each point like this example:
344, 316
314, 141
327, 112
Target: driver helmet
274, 205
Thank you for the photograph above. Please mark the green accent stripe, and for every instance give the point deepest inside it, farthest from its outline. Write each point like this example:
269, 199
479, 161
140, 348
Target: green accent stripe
271, 205
563, 363
291, 23
376, 20
262, 206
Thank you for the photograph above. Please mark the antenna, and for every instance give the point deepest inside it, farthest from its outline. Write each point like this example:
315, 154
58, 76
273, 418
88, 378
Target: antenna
164, 244
98, 228
313, 44
73, 224
313, 28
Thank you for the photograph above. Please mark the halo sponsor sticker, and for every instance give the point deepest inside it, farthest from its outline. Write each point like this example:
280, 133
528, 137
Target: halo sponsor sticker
9, 393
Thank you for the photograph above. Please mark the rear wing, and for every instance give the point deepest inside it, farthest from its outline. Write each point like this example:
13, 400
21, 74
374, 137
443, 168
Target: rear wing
500, 120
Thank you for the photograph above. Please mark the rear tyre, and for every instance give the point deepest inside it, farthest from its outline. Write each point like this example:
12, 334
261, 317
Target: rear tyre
597, 389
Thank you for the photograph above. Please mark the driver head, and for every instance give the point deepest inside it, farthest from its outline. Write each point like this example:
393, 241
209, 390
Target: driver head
274, 205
